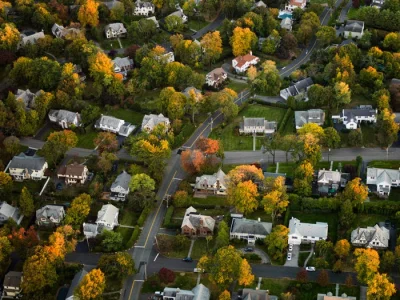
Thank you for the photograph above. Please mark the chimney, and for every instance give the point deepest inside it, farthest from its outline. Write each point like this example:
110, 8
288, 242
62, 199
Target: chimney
259, 220
251, 52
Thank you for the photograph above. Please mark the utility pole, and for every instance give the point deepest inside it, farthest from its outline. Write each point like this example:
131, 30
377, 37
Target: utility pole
211, 123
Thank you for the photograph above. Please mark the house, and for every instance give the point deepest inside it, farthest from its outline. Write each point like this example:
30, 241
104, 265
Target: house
293, 4
197, 225
74, 284
113, 4
9, 212
354, 29
115, 125
259, 4
154, 20
376, 237
250, 294
287, 24
298, 89
107, 217
50, 215
329, 296
316, 116
61, 32
120, 187
382, 180
377, 3
305, 232
73, 173
12, 285
143, 8
65, 118
151, 121
29, 39
122, 65
24, 167
188, 91
352, 118
250, 230
216, 77
90, 230
211, 184
242, 63
330, 181
179, 13
115, 30
257, 125
199, 292
27, 97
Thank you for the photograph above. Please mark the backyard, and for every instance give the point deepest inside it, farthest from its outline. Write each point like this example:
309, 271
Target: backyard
196, 24
229, 134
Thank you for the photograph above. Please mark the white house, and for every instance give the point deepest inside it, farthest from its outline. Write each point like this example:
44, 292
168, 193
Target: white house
9, 212
287, 24
65, 118
90, 230
74, 284
24, 167
151, 121
122, 65
330, 181
383, 179
257, 125
50, 215
377, 3
107, 217
305, 232
354, 29
120, 187
259, 4
298, 89
29, 39
250, 230
27, 97
115, 125
352, 118
316, 116
115, 30
242, 63
216, 77
200, 292
73, 173
376, 237
293, 4
179, 13
143, 8
12, 285
60, 31
211, 184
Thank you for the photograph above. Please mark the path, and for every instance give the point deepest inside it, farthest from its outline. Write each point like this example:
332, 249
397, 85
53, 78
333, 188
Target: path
345, 10
191, 247
310, 255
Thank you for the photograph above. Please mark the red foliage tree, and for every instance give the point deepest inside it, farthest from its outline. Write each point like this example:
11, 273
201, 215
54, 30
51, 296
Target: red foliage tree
23, 240
131, 51
302, 276
323, 278
6, 57
192, 161
166, 275
208, 146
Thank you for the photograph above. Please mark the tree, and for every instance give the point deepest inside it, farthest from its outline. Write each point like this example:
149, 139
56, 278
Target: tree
174, 23
342, 248
346, 214
118, 11
380, 287
11, 145
367, 264
387, 128
308, 25
387, 262
323, 247
270, 45
326, 35
355, 191
355, 138
211, 44
111, 241
242, 41
382, 99
225, 295
271, 144
303, 178
192, 161
246, 278
142, 186
268, 80
5, 252
302, 276
181, 199
9, 37
78, 211
166, 275
338, 266
277, 242
176, 106
371, 78
276, 201
331, 138
26, 204
208, 146
23, 240
342, 93
288, 143
6, 184
105, 162
88, 13
244, 197
225, 100
323, 278
117, 266
222, 239
316, 94
91, 286
57, 144
106, 142
392, 41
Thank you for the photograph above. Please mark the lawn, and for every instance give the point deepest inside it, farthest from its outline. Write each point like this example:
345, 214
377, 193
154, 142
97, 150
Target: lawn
330, 218
130, 219
227, 168
127, 115
237, 86
364, 220
286, 168
197, 24
34, 186
229, 135
85, 140
394, 194
385, 164
200, 248
352, 14
368, 134
210, 200
260, 213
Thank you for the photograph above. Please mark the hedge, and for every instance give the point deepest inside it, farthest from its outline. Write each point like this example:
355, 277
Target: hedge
287, 215
286, 117
134, 237
143, 216
277, 104
168, 216
388, 208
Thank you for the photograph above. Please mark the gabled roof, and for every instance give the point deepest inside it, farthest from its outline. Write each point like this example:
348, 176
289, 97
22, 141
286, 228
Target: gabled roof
243, 225
9, 211
123, 61
110, 122
122, 180
115, 27
32, 39
260, 4
309, 116
327, 176
195, 221
73, 169
250, 294
216, 74
286, 22
153, 120
27, 97
13, 279
76, 281
381, 233
211, 179
242, 60
358, 112
178, 13
48, 211
319, 229
377, 175
141, 4
64, 115
199, 292
354, 26
23, 161
107, 214
111, 4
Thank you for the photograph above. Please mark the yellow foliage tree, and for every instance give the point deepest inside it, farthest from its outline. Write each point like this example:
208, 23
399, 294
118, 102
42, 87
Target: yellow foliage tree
380, 288
225, 295
276, 201
342, 248
100, 66
211, 42
367, 264
355, 191
242, 41
91, 286
88, 13
225, 266
252, 73
244, 197
9, 37
246, 278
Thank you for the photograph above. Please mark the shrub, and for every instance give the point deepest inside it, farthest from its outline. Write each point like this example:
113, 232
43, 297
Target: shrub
302, 276
166, 275
181, 199
143, 216
286, 117
134, 237
168, 216
323, 278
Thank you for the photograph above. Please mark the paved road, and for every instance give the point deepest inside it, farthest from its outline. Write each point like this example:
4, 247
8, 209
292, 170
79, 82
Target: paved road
210, 27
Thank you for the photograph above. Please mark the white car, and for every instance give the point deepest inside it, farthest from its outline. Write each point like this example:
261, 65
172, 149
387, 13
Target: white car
289, 256
310, 269
290, 247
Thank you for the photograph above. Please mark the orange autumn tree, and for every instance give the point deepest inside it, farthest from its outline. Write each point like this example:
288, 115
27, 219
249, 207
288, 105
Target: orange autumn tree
225, 295
91, 286
243, 173
192, 161
22, 240
88, 13
61, 242
355, 191
208, 146
106, 142
246, 278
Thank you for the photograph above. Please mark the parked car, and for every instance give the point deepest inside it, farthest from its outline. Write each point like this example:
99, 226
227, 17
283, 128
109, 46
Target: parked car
290, 247
187, 259
198, 270
310, 269
248, 249
289, 256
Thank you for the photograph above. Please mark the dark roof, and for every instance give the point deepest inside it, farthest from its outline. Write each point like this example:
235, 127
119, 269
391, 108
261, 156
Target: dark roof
23, 161
76, 281
354, 26
358, 112
74, 169
13, 279
302, 85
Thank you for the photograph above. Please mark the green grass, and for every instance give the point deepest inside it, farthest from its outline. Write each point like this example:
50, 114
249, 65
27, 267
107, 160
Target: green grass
385, 164
197, 24
330, 218
368, 134
200, 248
85, 140
127, 115
227, 168
264, 217
210, 200
229, 135
364, 220
290, 128
34, 186
286, 168
237, 86
352, 14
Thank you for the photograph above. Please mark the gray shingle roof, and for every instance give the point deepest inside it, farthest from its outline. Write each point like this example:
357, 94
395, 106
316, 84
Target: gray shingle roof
358, 112
122, 180
354, 26
250, 226
64, 115
9, 211
48, 211
370, 233
200, 292
76, 281
310, 116
22, 161
109, 121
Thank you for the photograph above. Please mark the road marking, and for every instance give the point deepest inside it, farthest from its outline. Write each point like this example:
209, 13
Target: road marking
178, 179
139, 246
156, 256
139, 280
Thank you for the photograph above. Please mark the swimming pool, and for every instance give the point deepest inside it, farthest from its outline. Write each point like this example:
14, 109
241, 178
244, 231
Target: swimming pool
285, 14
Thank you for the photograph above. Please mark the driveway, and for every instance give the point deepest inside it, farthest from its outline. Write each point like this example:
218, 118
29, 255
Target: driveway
294, 262
264, 257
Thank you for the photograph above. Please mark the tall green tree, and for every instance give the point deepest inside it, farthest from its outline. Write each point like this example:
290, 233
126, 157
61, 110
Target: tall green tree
26, 204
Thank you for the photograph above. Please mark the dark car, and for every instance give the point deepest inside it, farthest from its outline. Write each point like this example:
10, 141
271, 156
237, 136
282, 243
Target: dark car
187, 259
59, 186
248, 249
